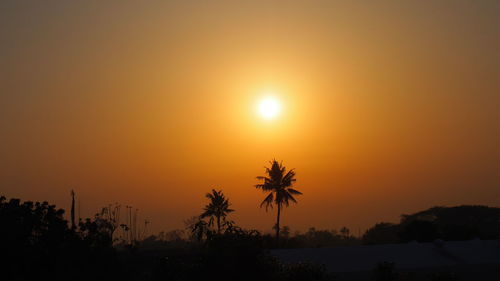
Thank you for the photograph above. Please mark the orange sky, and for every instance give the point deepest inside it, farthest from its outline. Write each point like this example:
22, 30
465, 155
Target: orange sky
388, 107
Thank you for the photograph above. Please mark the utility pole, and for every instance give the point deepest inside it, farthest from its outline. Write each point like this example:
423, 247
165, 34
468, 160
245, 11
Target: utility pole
73, 226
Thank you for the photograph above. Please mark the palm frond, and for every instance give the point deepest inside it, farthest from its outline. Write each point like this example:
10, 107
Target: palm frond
290, 196
294, 191
268, 201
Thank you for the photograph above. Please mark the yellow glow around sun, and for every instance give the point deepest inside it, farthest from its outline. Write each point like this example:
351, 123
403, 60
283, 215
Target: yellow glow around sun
269, 107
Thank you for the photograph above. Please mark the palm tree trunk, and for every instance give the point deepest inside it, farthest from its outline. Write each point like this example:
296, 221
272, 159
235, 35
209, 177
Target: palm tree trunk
278, 224
218, 225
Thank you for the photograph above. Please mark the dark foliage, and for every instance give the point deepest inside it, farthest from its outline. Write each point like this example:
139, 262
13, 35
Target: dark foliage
418, 230
461, 222
37, 244
446, 223
315, 238
236, 254
382, 233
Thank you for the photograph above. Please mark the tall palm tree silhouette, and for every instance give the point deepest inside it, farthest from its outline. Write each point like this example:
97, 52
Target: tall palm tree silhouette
217, 208
278, 182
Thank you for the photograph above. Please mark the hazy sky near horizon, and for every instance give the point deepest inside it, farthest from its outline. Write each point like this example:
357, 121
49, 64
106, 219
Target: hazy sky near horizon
389, 107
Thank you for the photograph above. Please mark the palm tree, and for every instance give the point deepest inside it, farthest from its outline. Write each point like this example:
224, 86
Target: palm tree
345, 232
278, 183
217, 208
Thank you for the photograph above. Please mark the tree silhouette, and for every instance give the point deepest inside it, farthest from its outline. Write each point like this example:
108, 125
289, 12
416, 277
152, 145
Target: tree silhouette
345, 232
217, 208
278, 182
197, 228
36, 243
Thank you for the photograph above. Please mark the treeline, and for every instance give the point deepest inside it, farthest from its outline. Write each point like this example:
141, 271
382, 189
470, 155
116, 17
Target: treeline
312, 238
439, 223
37, 243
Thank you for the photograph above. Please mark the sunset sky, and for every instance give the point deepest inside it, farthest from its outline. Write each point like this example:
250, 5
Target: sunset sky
387, 107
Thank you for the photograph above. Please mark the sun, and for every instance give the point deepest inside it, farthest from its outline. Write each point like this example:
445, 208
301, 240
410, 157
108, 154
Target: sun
269, 107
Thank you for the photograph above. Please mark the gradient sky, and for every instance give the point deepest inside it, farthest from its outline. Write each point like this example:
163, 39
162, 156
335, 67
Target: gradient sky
389, 107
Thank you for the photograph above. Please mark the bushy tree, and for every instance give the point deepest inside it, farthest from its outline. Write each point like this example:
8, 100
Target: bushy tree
382, 233
37, 244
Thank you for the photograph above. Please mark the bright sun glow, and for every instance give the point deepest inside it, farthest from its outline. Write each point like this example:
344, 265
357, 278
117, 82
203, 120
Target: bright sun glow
269, 108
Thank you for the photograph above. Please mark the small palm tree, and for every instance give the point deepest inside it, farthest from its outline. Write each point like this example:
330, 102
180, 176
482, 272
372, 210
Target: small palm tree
345, 232
278, 183
217, 208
